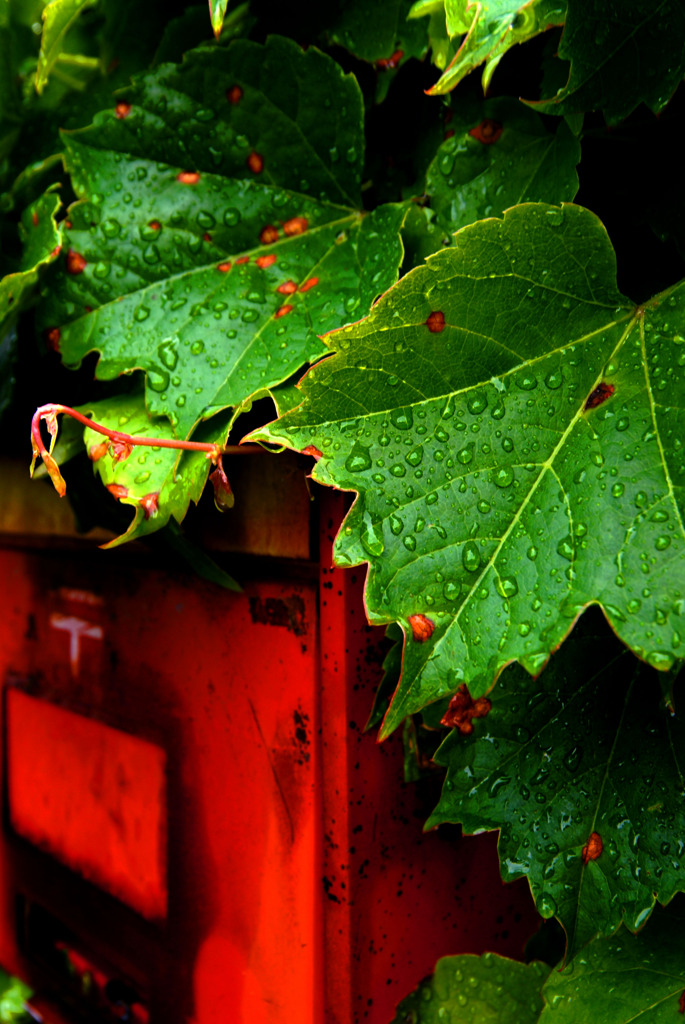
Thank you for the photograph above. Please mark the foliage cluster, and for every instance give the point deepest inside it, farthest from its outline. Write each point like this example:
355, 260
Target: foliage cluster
361, 191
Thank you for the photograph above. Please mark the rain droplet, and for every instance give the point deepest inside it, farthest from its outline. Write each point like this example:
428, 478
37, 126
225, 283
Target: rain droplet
470, 556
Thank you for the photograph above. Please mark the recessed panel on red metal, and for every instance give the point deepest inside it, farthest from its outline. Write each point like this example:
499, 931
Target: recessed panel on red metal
92, 796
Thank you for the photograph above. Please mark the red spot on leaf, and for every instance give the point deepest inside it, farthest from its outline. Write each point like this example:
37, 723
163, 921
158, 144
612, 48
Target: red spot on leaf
118, 490
296, 226
52, 338
255, 162
234, 95
266, 261
268, 234
449, 134
68, 224
282, 311
436, 322
421, 628
207, 237
599, 395
224, 267
56, 251
287, 288
681, 1002
487, 132
122, 109
120, 450
188, 177
155, 225
311, 283
463, 708
76, 263
593, 848
98, 451
390, 62
243, 259
312, 450
34, 218
150, 504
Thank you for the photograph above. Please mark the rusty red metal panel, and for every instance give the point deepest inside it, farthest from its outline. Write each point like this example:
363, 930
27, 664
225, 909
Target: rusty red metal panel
396, 899
92, 796
227, 685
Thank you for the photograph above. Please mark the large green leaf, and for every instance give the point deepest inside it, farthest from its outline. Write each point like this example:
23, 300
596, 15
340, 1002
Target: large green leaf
492, 27
58, 17
221, 232
376, 32
468, 989
587, 750
512, 425
497, 159
621, 55
42, 240
625, 979
159, 483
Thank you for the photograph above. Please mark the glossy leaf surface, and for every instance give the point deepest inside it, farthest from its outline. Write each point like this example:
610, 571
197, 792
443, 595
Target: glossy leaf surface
621, 55
221, 232
217, 12
624, 979
502, 157
512, 426
58, 17
42, 239
583, 770
379, 32
493, 27
468, 989
158, 483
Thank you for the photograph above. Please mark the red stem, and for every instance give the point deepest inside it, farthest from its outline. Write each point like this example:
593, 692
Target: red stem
53, 409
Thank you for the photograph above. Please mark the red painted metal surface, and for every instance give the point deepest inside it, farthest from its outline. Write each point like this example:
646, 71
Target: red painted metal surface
92, 796
300, 884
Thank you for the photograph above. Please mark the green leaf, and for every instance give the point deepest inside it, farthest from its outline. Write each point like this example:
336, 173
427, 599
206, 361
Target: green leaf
222, 180
217, 12
58, 17
620, 56
586, 750
512, 426
392, 667
625, 979
494, 26
379, 31
13, 996
466, 989
499, 158
42, 240
158, 483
